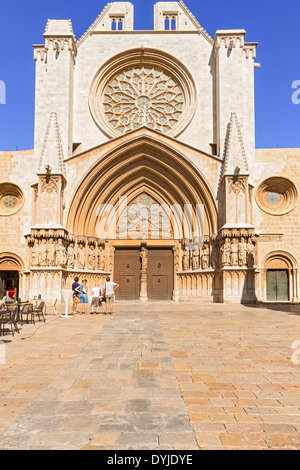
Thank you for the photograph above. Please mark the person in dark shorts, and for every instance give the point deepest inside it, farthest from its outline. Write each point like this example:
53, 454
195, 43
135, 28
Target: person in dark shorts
76, 295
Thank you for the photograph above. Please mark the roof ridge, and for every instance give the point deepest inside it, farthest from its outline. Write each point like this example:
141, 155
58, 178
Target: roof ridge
195, 21
94, 24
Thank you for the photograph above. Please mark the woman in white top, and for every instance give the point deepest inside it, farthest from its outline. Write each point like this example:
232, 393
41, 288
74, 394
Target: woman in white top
96, 295
109, 292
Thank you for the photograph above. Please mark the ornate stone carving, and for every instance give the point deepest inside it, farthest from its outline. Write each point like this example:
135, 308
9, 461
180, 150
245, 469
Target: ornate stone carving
61, 255
205, 256
81, 256
234, 249
143, 96
91, 257
35, 253
101, 258
225, 252
43, 253
71, 256
250, 250
144, 258
50, 186
242, 252
51, 253
186, 259
196, 257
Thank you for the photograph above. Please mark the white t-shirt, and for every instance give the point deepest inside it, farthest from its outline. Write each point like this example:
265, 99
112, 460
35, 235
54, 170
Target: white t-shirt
96, 292
109, 288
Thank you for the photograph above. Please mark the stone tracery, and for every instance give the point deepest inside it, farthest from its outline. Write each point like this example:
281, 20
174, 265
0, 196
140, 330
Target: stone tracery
143, 96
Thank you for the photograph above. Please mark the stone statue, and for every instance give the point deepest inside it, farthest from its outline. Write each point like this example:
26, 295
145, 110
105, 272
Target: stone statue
101, 259
225, 252
43, 253
35, 254
61, 256
215, 256
242, 252
91, 257
81, 256
186, 260
196, 258
234, 253
250, 250
205, 256
144, 258
71, 256
51, 253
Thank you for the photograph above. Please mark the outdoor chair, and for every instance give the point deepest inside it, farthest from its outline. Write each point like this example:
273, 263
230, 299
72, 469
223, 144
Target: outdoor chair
26, 311
39, 312
49, 306
9, 317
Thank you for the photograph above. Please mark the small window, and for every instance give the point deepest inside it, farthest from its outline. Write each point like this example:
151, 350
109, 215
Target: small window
114, 25
120, 25
167, 23
173, 24
213, 149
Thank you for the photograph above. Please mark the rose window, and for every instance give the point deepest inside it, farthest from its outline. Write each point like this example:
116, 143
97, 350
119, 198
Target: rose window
143, 96
9, 201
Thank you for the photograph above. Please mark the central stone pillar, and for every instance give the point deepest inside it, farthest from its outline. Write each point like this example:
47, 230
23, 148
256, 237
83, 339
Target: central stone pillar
144, 275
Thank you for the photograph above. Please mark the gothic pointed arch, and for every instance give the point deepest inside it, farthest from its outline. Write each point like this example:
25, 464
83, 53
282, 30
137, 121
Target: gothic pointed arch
143, 163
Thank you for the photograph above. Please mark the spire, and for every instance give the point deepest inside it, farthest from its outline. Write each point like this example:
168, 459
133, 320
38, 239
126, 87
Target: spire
52, 152
235, 160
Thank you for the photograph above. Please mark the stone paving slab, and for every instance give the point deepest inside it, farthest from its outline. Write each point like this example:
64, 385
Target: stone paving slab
156, 376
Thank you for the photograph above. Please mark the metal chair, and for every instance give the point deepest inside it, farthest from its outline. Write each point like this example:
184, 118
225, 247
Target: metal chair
9, 317
26, 310
39, 311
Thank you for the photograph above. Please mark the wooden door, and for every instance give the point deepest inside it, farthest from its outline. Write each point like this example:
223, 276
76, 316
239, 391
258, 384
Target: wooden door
277, 285
160, 276
127, 274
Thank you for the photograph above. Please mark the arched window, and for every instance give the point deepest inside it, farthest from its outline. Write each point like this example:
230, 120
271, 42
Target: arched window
120, 25
114, 25
173, 24
167, 23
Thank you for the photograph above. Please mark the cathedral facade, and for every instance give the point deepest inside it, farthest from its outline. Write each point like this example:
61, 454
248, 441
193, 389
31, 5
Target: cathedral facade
145, 168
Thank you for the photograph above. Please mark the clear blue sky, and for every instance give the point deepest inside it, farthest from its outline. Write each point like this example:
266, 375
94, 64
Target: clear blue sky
274, 24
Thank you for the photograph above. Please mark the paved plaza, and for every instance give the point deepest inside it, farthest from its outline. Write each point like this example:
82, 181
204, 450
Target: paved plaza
154, 376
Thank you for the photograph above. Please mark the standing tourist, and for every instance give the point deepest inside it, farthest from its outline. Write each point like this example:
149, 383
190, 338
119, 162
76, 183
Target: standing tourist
109, 292
96, 294
76, 294
84, 299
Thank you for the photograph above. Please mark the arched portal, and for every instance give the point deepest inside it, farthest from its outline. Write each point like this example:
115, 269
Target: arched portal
142, 165
142, 193
10, 267
280, 277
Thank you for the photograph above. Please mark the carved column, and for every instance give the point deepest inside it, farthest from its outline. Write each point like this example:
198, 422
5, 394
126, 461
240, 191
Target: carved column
143, 275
